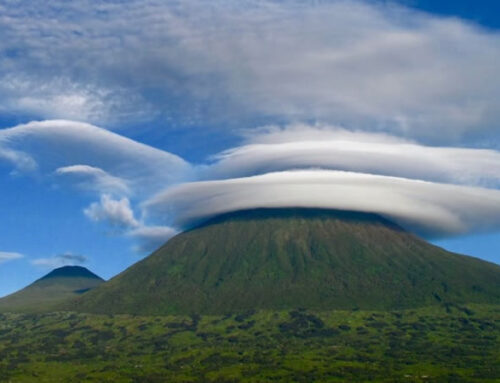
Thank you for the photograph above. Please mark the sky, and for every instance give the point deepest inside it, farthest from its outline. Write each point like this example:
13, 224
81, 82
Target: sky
123, 123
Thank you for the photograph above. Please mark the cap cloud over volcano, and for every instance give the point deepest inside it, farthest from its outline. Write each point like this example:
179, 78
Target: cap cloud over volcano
124, 124
435, 191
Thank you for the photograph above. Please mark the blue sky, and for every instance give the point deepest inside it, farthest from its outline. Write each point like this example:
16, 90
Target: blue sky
124, 122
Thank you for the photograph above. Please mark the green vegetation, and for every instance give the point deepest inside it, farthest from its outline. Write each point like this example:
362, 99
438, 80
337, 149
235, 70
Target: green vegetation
58, 286
277, 259
445, 343
219, 303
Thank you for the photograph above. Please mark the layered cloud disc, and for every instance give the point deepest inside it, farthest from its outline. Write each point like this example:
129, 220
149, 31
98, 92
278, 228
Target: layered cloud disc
303, 147
430, 209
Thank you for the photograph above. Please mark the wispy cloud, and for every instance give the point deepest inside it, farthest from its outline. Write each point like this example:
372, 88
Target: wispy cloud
66, 259
353, 63
6, 256
95, 179
151, 237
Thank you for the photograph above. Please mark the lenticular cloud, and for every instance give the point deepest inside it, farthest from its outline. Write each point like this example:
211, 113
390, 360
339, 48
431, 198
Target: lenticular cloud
70, 147
433, 191
430, 209
301, 147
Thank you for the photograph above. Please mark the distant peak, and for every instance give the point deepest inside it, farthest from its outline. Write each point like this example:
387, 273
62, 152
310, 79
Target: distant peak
71, 272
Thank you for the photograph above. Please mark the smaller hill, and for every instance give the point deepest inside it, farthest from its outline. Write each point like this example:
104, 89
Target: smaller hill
54, 288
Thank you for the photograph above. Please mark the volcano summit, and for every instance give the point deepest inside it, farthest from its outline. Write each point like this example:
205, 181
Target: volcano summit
289, 258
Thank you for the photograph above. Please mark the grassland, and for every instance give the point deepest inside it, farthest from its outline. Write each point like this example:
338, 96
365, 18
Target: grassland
446, 343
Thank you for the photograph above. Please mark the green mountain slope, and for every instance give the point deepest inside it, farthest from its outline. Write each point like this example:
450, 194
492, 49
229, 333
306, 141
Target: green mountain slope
288, 258
59, 285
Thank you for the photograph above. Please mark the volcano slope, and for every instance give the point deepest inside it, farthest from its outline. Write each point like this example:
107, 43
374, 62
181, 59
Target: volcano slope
278, 259
57, 286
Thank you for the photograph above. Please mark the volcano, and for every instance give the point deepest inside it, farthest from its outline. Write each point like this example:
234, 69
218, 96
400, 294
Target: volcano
57, 286
294, 258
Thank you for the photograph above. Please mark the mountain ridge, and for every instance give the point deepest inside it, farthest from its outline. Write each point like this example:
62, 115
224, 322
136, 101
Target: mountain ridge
289, 258
51, 289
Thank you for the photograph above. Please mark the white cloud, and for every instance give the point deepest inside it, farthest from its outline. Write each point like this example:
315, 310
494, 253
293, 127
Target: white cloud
354, 170
6, 256
60, 260
151, 237
22, 161
100, 161
374, 67
431, 209
54, 98
117, 213
306, 147
356, 63
46, 146
299, 132
95, 179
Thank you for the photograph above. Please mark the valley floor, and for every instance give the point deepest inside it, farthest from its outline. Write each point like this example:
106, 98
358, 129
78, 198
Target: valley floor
438, 344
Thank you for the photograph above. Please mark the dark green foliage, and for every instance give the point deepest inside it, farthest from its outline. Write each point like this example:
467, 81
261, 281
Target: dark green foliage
432, 344
278, 259
304, 325
59, 285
